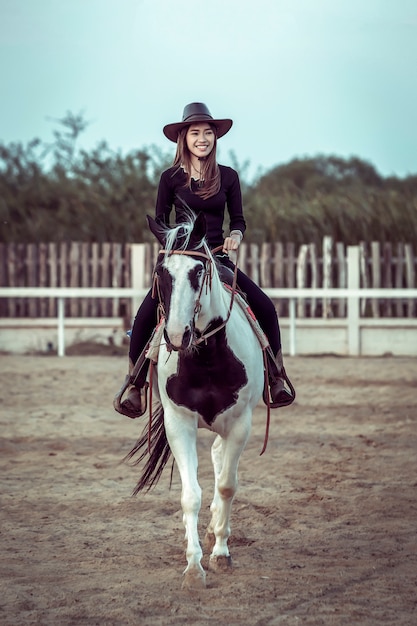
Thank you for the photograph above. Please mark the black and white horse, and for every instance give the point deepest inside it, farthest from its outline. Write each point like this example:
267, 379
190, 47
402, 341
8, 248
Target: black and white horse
209, 375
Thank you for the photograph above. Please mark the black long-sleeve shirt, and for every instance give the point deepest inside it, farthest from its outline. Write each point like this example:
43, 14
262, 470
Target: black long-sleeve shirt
172, 193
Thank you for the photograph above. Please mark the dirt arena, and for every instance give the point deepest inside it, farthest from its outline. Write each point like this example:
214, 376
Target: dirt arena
323, 526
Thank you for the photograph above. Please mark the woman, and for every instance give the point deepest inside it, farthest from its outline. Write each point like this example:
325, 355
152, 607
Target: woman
197, 181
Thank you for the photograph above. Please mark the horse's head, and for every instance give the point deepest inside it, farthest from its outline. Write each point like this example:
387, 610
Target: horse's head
182, 274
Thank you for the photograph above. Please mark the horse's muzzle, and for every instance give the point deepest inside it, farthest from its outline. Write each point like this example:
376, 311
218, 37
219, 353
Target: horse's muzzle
179, 342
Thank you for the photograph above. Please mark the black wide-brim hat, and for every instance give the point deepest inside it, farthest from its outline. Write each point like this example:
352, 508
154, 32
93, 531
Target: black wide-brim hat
194, 113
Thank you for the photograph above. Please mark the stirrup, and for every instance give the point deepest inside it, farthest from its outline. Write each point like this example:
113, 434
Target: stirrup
276, 373
120, 405
286, 395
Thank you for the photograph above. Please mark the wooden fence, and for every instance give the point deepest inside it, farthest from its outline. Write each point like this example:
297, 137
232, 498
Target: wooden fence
271, 265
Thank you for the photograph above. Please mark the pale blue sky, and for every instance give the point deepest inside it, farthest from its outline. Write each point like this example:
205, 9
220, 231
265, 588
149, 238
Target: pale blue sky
298, 77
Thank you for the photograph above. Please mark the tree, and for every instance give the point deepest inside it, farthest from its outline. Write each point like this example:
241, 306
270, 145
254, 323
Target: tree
58, 192
305, 199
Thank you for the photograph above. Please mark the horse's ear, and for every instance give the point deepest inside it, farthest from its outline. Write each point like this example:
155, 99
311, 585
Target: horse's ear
157, 229
199, 231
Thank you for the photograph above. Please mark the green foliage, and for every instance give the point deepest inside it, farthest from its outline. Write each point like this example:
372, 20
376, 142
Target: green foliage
347, 199
56, 192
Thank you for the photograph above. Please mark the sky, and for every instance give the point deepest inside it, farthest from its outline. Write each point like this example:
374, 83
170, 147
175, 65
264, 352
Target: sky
299, 78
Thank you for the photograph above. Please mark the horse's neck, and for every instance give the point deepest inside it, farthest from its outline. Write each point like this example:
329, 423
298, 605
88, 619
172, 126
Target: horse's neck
216, 305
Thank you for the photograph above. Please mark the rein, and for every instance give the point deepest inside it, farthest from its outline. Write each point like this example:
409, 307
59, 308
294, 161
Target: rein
232, 299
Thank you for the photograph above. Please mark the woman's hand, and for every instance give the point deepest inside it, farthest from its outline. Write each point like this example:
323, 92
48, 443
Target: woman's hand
231, 243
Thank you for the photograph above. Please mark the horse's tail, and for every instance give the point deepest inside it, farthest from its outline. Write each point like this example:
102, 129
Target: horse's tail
159, 452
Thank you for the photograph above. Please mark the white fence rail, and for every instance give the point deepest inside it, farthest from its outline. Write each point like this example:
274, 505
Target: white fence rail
352, 295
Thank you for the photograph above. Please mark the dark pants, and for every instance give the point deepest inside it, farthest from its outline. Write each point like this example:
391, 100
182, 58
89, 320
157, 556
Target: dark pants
261, 305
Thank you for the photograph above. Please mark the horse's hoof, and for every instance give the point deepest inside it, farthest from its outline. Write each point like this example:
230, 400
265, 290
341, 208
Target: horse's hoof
220, 563
209, 541
194, 579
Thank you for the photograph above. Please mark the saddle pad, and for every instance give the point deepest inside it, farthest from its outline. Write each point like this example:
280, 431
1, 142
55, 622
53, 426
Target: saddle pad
156, 339
256, 327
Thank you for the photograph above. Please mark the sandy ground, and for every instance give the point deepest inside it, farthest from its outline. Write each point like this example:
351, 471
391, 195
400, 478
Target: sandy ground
323, 525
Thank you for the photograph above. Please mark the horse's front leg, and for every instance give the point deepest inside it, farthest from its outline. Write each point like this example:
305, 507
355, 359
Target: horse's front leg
182, 437
225, 455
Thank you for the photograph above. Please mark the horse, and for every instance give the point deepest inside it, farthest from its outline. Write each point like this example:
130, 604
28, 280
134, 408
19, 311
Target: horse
209, 374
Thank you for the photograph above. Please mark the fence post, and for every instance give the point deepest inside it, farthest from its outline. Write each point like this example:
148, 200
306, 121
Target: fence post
293, 346
61, 327
137, 260
353, 304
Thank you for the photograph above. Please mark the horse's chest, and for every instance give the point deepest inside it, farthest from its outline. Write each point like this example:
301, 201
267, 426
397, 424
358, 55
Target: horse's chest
208, 381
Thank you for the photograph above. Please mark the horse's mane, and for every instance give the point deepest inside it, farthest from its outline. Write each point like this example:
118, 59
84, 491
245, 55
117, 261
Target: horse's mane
178, 237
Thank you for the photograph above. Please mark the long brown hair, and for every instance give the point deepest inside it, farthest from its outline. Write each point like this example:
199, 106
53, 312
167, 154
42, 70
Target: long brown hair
210, 173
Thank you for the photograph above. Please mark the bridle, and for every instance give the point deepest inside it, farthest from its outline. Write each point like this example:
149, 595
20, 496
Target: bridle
206, 282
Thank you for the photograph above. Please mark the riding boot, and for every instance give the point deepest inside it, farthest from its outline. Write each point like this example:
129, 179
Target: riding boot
136, 388
280, 387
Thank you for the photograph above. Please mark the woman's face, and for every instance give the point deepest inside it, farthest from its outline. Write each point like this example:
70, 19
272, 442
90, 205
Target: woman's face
200, 139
